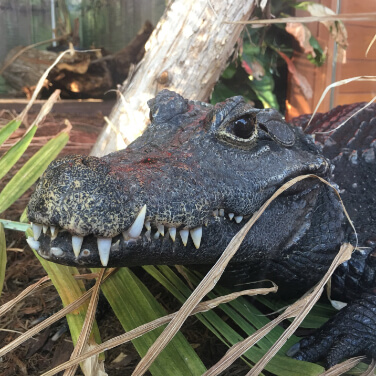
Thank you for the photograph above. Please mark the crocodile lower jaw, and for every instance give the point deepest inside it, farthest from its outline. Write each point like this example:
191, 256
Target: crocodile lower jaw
105, 245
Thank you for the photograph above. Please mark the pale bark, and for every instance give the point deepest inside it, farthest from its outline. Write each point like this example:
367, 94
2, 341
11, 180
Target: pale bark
187, 52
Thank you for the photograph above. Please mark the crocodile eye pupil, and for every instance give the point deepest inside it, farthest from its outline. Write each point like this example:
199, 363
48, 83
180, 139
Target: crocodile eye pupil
244, 127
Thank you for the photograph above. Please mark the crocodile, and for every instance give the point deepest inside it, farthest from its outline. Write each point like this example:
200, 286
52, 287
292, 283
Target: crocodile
180, 192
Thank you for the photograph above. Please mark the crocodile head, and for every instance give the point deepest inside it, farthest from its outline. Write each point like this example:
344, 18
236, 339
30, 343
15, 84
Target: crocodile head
178, 193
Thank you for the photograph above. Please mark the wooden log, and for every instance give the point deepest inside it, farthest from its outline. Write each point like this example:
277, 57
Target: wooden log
187, 52
27, 69
104, 73
84, 75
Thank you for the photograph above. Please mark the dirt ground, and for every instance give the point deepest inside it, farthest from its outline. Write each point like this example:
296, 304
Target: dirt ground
41, 352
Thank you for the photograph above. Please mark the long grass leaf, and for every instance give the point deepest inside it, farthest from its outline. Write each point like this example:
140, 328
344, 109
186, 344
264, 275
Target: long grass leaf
319, 315
31, 170
3, 257
10, 158
83, 340
134, 305
8, 129
12, 225
69, 290
280, 365
141, 330
23, 218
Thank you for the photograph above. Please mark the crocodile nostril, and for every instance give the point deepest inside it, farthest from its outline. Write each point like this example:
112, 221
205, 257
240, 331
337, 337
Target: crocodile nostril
94, 163
85, 162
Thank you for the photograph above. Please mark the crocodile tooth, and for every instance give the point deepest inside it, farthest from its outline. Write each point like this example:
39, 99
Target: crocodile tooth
172, 232
52, 228
56, 251
76, 244
196, 235
147, 226
115, 246
238, 218
161, 229
148, 235
231, 215
215, 213
45, 229
33, 243
37, 230
221, 212
135, 230
104, 247
184, 236
156, 235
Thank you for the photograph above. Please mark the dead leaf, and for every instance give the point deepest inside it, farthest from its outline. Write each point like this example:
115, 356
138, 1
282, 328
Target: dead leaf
302, 34
336, 28
301, 81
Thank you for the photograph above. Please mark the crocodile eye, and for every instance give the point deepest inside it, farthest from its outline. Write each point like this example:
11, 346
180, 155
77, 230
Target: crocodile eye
244, 127
240, 131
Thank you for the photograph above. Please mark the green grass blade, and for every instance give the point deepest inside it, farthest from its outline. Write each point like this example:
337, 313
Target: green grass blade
134, 305
23, 218
12, 225
319, 315
8, 129
10, 158
246, 317
31, 170
3, 257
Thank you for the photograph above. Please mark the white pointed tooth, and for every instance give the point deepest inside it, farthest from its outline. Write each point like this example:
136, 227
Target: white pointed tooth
161, 229
37, 230
76, 244
238, 218
156, 235
231, 215
196, 235
147, 226
135, 230
56, 251
33, 243
215, 213
104, 247
45, 229
148, 235
221, 212
172, 232
115, 246
53, 229
184, 236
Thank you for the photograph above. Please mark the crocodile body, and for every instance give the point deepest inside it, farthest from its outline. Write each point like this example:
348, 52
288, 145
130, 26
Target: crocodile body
180, 192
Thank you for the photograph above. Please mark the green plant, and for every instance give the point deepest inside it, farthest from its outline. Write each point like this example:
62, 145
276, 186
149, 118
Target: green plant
260, 71
25, 177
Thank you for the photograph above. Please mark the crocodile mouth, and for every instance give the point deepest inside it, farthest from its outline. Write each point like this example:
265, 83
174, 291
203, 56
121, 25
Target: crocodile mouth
59, 245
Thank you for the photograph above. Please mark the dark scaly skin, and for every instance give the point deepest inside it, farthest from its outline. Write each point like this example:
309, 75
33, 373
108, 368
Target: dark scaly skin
192, 161
351, 332
351, 149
